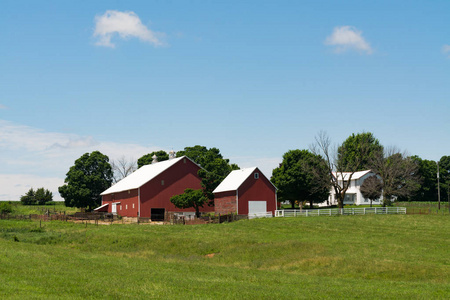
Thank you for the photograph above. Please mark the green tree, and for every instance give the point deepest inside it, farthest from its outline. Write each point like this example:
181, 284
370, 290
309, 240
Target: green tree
148, 158
350, 156
28, 198
43, 196
86, 180
214, 169
428, 189
296, 178
444, 173
371, 188
190, 198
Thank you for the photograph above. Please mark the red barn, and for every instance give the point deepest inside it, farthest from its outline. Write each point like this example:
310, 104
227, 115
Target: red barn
147, 191
246, 192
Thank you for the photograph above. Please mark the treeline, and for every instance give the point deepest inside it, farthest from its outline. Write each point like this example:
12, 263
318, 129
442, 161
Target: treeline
305, 175
309, 175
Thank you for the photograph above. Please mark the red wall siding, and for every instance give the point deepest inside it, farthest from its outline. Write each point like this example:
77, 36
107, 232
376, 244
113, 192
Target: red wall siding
225, 202
177, 178
127, 199
256, 189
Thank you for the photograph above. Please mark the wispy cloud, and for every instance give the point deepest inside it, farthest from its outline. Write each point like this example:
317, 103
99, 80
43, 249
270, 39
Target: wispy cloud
446, 50
125, 25
32, 157
346, 38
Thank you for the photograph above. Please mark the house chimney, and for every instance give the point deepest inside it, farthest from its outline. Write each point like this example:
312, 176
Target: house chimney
171, 154
155, 159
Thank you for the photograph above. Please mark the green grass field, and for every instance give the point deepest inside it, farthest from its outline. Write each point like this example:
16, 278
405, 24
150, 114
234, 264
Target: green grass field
376, 256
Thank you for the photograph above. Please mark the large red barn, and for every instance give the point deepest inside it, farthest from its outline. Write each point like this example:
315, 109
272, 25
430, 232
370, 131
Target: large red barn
147, 192
246, 192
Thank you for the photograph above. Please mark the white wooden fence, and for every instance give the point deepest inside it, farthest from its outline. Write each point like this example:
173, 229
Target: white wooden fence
340, 211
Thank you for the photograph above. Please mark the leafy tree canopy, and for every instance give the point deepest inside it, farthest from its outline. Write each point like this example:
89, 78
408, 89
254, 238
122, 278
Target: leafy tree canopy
427, 171
38, 197
296, 178
190, 198
215, 167
86, 180
148, 158
357, 152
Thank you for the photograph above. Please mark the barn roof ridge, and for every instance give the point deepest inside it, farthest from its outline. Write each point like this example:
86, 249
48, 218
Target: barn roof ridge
143, 175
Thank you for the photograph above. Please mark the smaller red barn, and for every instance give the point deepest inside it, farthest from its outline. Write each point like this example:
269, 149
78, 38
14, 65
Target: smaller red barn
246, 192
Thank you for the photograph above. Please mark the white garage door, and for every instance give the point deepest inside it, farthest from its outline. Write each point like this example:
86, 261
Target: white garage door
257, 209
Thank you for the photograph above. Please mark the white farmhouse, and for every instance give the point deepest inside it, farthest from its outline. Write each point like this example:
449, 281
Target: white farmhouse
353, 194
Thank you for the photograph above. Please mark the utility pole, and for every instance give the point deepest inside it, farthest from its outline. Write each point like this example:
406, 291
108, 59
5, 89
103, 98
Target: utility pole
439, 190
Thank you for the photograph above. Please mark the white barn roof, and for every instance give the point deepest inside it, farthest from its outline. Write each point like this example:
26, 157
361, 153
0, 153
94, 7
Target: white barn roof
141, 176
356, 175
234, 180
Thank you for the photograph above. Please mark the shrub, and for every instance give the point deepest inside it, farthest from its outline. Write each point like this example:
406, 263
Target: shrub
5, 208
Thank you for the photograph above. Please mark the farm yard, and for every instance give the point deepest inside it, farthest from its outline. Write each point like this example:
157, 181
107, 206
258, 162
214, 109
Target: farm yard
372, 256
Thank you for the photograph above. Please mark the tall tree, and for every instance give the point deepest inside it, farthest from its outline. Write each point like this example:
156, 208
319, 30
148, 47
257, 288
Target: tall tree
214, 169
371, 188
122, 168
399, 174
350, 154
296, 181
86, 180
444, 170
427, 171
336, 166
148, 158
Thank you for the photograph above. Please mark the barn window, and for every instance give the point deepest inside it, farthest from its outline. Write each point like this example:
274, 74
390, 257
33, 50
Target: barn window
256, 175
121, 207
184, 160
162, 182
129, 191
112, 197
126, 206
133, 205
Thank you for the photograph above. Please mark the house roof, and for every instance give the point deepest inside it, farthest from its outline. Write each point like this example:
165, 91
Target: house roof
356, 175
141, 176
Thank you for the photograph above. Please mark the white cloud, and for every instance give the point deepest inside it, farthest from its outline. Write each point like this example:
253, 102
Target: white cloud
346, 38
31, 157
446, 50
126, 25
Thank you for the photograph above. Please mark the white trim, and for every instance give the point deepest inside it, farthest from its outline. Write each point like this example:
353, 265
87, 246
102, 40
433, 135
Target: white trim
101, 206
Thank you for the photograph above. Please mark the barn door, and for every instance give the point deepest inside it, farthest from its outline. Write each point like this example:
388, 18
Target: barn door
257, 209
114, 208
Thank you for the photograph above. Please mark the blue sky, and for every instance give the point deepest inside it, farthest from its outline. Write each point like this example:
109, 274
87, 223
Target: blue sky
252, 78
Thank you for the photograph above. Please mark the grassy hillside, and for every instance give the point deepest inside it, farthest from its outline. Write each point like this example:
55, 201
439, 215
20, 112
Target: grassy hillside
393, 256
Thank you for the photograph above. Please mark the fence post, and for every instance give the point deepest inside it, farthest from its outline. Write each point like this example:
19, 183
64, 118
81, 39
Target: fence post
364, 210
330, 211
306, 212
